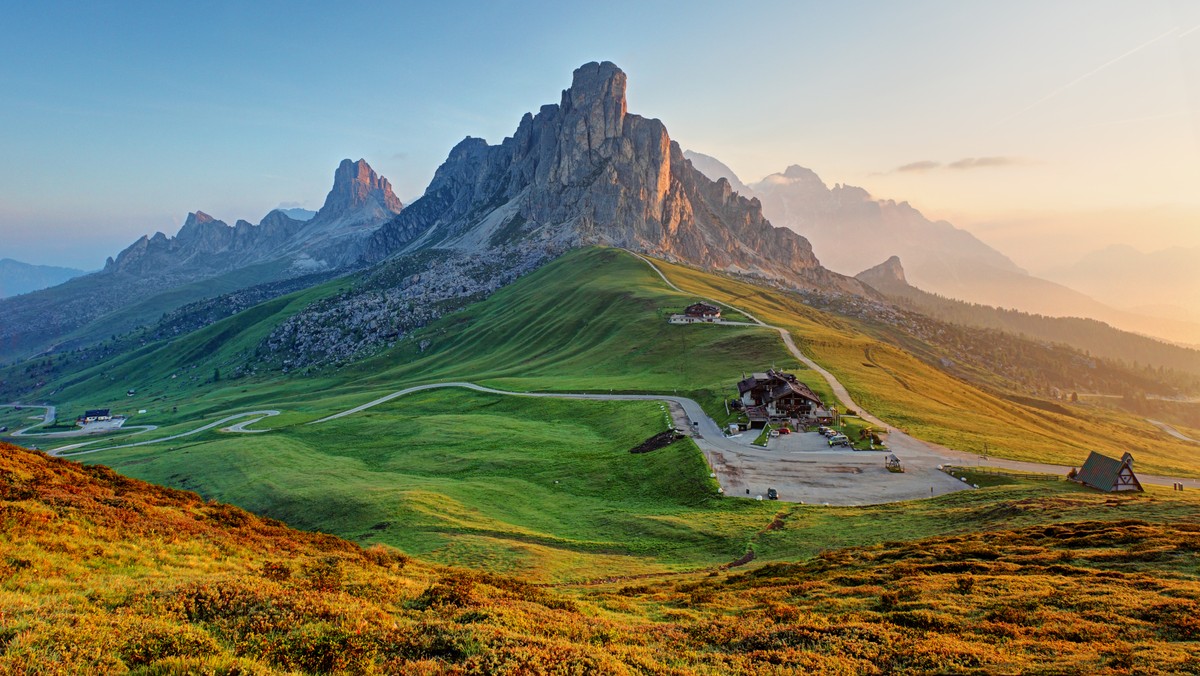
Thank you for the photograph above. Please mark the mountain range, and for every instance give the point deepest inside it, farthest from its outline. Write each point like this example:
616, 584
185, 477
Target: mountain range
17, 278
207, 257
851, 231
1162, 278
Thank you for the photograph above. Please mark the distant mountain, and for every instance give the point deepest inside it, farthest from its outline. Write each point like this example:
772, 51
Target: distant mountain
1160, 283
585, 171
207, 257
17, 278
849, 230
298, 214
1096, 337
358, 203
716, 169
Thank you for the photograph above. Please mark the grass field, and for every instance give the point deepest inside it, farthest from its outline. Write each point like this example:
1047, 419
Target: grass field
457, 476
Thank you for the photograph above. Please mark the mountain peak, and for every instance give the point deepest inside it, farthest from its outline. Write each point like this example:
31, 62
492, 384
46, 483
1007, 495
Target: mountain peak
598, 92
887, 275
355, 184
585, 172
196, 218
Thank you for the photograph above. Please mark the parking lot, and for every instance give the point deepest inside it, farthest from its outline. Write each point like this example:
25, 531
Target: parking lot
803, 468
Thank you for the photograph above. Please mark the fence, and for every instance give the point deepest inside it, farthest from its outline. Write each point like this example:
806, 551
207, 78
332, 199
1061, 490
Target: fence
1001, 472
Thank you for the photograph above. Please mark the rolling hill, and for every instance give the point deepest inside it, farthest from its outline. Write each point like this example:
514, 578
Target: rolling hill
17, 278
109, 574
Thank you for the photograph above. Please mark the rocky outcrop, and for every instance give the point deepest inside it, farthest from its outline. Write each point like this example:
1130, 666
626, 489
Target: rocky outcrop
885, 276
716, 170
586, 171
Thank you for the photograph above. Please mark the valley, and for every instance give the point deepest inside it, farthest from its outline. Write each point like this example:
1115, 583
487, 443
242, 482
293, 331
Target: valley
587, 404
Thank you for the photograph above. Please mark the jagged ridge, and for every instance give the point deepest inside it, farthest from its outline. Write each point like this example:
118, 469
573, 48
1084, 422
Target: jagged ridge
585, 171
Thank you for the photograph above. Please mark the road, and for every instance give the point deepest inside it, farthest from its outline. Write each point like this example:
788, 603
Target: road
914, 452
802, 469
1171, 430
257, 415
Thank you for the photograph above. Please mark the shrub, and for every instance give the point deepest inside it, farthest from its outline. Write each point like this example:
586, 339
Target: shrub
276, 570
324, 574
148, 645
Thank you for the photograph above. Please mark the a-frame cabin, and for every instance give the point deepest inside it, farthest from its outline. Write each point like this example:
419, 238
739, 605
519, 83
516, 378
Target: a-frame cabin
1108, 474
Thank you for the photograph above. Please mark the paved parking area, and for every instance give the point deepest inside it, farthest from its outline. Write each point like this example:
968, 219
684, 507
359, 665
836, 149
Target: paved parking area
803, 468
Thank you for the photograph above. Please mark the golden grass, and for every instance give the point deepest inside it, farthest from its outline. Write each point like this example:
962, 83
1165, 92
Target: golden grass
104, 574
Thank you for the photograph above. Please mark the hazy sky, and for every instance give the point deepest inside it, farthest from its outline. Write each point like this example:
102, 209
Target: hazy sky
1046, 128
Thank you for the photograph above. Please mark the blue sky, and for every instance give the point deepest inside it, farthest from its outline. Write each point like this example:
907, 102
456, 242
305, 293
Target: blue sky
119, 118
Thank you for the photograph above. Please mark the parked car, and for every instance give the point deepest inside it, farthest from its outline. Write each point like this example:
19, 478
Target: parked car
4, 428
772, 494
839, 440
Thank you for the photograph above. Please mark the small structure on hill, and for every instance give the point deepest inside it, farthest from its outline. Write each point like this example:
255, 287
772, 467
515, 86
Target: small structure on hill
697, 312
1108, 474
93, 415
892, 463
777, 397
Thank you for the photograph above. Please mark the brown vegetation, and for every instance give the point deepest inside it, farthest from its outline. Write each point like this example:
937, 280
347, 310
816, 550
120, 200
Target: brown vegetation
104, 574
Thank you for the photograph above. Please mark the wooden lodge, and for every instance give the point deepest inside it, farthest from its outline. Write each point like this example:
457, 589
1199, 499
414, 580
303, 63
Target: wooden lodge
703, 311
93, 415
697, 312
1108, 474
777, 397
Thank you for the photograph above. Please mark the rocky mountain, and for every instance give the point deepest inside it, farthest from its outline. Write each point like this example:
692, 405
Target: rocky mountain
207, 257
885, 276
586, 171
716, 169
1095, 337
17, 278
358, 203
850, 230
205, 245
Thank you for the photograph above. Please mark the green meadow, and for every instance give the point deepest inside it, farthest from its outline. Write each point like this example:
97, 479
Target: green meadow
547, 488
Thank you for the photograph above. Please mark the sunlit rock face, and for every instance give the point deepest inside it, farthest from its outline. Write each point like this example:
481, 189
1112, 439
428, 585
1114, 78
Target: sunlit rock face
586, 171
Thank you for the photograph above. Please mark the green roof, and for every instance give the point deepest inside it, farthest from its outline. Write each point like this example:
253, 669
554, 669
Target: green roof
1103, 472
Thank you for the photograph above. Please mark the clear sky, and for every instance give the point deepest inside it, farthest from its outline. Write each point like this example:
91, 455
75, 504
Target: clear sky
119, 118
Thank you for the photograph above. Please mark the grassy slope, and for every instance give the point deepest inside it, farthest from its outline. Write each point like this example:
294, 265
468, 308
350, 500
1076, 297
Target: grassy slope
103, 574
595, 320
150, 309
388, 475
933, 406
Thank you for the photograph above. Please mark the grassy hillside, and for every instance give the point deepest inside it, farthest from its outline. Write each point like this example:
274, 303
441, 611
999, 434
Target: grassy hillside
594, 320
931, 405
104, 574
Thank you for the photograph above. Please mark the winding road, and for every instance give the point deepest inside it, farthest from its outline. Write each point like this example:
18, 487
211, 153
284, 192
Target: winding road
811, 474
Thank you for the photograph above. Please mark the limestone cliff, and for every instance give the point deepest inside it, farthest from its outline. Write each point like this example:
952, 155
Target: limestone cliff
586, 171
